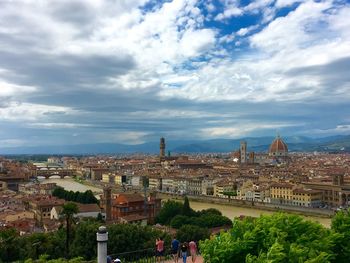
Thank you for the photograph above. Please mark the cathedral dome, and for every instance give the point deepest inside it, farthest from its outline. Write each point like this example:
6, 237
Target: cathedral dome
278, 147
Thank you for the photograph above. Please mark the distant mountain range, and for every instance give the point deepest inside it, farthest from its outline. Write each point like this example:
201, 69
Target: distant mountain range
337, 143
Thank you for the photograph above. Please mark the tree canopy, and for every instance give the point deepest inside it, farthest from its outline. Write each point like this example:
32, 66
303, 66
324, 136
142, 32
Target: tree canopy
276, 238
86, 197
51, 246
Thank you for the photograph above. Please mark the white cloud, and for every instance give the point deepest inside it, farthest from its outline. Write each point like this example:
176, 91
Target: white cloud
285, 3
242, 129
124, 137
8, 89
227, 38
15, 111
196, 42
245, 30
57, 125
173, 55
255, 6
12, 142
287, 43
228, 13
339, 129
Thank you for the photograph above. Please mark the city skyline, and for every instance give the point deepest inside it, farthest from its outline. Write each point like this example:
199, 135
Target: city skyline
75, 72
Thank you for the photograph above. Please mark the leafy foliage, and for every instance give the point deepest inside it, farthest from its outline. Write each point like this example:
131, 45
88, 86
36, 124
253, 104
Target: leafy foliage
169, 210
276, 238
230, 193
176, 215
86, 197
190, 232
50, 247
211, 211
186, 209
203, 220
126, 237
68, 211
341, 226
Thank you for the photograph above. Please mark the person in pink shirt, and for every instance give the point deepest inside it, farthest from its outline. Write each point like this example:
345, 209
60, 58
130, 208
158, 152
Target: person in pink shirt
193, 250
160, 249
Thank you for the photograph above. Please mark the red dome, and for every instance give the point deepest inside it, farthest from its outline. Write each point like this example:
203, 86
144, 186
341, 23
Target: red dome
278, 146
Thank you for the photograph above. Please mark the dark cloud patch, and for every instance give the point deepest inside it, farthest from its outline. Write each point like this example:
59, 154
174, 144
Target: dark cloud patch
66, 71
74, 11
334, 77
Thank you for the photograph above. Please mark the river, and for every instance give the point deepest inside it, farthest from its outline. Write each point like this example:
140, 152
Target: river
227, 210
234, 211
71, 185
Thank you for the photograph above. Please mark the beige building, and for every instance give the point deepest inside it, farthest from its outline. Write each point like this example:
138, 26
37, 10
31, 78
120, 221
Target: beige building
194, 186
42, 206
18, 215
154, 183
180, 185
168, 185
282, 193
118, 179
307, 197
222, 187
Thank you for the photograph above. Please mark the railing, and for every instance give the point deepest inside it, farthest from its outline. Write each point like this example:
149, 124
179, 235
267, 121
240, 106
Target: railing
141, 256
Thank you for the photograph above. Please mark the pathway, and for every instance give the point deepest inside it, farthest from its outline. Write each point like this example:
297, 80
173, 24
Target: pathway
199, 259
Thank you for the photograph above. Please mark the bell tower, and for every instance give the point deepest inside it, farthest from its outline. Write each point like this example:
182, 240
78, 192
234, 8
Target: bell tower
107, 196
243, 151
162, 148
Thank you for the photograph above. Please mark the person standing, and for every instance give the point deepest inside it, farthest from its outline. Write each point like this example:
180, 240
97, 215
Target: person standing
193, 250
184, 248
175, 249
160, 249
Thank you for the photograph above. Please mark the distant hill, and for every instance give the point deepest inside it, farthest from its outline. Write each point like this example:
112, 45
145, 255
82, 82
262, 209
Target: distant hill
257, 144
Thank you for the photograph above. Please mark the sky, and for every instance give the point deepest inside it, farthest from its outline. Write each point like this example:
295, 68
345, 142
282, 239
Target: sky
131, 71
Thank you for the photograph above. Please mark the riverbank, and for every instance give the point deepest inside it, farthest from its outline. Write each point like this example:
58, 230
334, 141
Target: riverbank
232, 210
263, 206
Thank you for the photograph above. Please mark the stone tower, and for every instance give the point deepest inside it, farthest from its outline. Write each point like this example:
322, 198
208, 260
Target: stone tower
107, 196
243, 151
162, 148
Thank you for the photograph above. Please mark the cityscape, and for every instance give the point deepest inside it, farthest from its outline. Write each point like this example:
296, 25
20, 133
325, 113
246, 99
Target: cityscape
175, 131
131, 189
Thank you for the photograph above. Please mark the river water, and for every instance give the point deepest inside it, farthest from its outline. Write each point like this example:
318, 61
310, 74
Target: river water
234, 211
227, 210
71, 185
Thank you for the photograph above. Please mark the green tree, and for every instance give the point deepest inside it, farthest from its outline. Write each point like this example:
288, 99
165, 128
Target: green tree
169, 210
186, 209
84, 242
179, 221
99, 217
211, 211
68, 211
229, 194
9, 246
188, 233
127, 237
341, 226
86, 197
212, 220
276, 238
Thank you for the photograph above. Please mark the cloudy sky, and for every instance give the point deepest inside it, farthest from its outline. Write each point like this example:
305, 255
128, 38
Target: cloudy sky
130, 71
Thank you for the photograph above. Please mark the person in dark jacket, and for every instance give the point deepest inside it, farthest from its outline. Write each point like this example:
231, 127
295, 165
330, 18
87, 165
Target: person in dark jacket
183, 249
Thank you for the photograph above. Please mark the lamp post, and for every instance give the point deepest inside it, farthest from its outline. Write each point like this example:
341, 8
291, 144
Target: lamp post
102, 238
